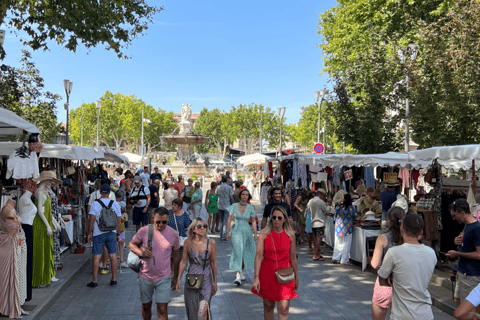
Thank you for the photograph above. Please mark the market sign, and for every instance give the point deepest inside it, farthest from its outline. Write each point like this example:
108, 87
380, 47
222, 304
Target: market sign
391, 177
348, 174
318, 148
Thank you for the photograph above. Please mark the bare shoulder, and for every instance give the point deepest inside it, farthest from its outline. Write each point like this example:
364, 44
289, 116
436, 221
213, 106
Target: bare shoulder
263, 233
212, 243
382, 240
291, 234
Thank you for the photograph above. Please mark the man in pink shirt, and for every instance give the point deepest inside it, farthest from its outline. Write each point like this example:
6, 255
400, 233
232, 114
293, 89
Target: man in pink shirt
154, 277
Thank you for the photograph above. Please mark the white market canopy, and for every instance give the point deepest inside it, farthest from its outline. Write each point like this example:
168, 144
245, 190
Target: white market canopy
132, 157
11, 124
449, 153
252, 159
61, 151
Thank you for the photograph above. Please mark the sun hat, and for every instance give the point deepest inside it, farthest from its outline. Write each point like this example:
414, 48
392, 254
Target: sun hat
321, 190
370, 216
48, 175
137, 179
391, 182
338, 197
361, 190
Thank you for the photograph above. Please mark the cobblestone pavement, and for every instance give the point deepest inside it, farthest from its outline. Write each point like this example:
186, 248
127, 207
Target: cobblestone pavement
326, 291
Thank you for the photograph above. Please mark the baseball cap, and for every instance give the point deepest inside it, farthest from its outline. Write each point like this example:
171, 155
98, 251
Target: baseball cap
190, 179
137, 179
105, 189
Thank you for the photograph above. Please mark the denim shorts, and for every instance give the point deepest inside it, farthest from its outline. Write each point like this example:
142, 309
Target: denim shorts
105, 239
140, 217
161, 289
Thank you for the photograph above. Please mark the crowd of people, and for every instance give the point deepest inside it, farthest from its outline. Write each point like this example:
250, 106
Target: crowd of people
181, 242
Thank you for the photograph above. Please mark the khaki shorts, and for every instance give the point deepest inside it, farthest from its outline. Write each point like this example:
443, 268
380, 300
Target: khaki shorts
465, 285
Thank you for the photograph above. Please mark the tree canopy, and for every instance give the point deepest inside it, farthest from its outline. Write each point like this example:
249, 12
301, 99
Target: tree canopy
113, 23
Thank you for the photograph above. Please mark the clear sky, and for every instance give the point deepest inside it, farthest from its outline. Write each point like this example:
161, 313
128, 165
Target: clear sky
213, 54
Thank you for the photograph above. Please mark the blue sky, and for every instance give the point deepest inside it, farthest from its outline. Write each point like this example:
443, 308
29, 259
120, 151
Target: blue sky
213, 54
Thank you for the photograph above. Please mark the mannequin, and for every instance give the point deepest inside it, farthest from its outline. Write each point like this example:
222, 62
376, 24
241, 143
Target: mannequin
9, 262
43, 263
28, 211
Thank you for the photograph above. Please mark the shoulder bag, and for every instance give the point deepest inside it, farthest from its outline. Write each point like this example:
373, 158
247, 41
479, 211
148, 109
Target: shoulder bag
285, 275
182, 239
195, 281
135, 262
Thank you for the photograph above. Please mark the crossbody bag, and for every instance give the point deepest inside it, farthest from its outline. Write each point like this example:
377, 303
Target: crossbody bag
194, 281
135, 262
285, 275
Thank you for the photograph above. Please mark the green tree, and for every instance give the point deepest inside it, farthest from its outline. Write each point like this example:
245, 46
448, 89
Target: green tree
211, 123
113, 23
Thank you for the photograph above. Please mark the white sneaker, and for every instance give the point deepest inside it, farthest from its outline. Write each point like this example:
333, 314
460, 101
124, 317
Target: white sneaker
238, 280
124, 265
242, 276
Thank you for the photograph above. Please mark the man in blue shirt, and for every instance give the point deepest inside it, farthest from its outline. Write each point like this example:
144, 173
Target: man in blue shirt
276, 193
387, 197
468, 274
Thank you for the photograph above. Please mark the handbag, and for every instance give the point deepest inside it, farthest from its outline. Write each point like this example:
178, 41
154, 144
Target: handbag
285, 275
195, 281
135, 262
182, 239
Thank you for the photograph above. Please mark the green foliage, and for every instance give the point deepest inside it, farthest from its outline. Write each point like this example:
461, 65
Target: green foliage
113, 23
194, 177
121, 123
23, 93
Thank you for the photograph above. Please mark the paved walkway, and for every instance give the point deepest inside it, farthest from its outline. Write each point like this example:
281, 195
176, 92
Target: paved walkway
327, 291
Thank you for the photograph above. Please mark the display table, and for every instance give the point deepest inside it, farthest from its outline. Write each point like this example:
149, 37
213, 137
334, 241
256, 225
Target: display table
358, 251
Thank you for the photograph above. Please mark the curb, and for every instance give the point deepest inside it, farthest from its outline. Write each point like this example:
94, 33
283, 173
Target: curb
42, 308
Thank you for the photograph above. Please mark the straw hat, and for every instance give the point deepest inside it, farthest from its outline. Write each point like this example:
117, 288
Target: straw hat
338, 197
370, 216
391, 182
48, 175
361, 190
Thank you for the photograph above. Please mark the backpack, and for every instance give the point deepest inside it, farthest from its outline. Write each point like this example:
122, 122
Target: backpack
107, 221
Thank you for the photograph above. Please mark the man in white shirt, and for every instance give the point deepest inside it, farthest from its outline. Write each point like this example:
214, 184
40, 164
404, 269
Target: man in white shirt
411, 266
169, 195
318, 208
140, 199
103, 238
145, 177
96, 194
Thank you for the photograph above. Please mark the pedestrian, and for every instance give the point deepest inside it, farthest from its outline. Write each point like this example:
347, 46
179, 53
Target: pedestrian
103, 238
146, 181
344, 216
156, 175
140, 199
276, 200
301, 205
409, 268
276, 251
382, 295
466, 310
211, 204
225, 198
196, 204
229, 178
169, 195
201, 255
318, 209
236, 192
179, 221
155, 275
186, 194
243, 243
154, 189
468, 273
179, 185
368, 203
120, 195
388, 197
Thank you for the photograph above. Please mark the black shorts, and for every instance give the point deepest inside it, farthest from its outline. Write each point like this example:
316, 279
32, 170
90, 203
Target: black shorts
318, 232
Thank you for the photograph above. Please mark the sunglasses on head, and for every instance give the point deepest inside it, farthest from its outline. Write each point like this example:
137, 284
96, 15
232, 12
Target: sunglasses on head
161, 222
279, 218
199, 226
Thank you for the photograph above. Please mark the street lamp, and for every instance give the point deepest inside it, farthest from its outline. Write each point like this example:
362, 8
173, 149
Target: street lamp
319, 95
99, 106
281, 113
68, 85
81, 120
412, 49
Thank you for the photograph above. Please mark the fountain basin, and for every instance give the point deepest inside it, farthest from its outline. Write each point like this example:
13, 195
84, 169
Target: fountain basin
190, 139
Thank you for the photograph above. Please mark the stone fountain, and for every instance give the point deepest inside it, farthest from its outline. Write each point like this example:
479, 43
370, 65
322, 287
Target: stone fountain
185, 140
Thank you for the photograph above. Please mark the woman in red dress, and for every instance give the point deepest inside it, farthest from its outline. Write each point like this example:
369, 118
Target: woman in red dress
275, 250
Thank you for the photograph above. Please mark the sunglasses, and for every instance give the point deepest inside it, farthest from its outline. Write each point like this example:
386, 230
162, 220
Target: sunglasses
161, 222
279, 218
200, 226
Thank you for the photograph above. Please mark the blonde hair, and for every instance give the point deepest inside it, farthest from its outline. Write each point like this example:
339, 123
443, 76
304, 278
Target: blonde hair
193, 225
286, 224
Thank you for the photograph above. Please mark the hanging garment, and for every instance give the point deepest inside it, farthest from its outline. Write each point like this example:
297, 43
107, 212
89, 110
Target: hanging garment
369, 177
337, 173
290, 169
295, 172
404, 174
22, 168
302, 174
43, 260
56, 214
322, 176
22, 267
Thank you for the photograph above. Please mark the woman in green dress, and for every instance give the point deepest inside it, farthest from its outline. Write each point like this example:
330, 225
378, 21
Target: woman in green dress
211, 204
243, 243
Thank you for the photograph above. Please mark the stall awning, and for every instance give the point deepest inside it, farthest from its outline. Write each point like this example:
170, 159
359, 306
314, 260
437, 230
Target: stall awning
58, 151
132, 157
112, 156
449, 153
252, 159
11, 124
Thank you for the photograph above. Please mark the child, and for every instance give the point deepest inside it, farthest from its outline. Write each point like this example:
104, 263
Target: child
120, 196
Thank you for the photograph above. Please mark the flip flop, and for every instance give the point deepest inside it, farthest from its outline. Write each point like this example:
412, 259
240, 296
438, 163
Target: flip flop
335, 261
320, 258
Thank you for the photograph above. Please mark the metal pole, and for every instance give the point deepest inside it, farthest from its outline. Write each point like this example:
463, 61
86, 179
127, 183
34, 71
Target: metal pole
407, 115
281, 125
67, 118
141, 153
98, 127
319, 111
324, 127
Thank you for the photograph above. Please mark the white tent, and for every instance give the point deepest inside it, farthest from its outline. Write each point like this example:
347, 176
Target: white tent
451, 153
112, 156
58, 151
132, 157
252, 159
11, 124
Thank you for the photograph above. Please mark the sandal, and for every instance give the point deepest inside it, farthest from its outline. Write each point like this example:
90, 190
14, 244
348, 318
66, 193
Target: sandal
335, 261
320, 258
345, 264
